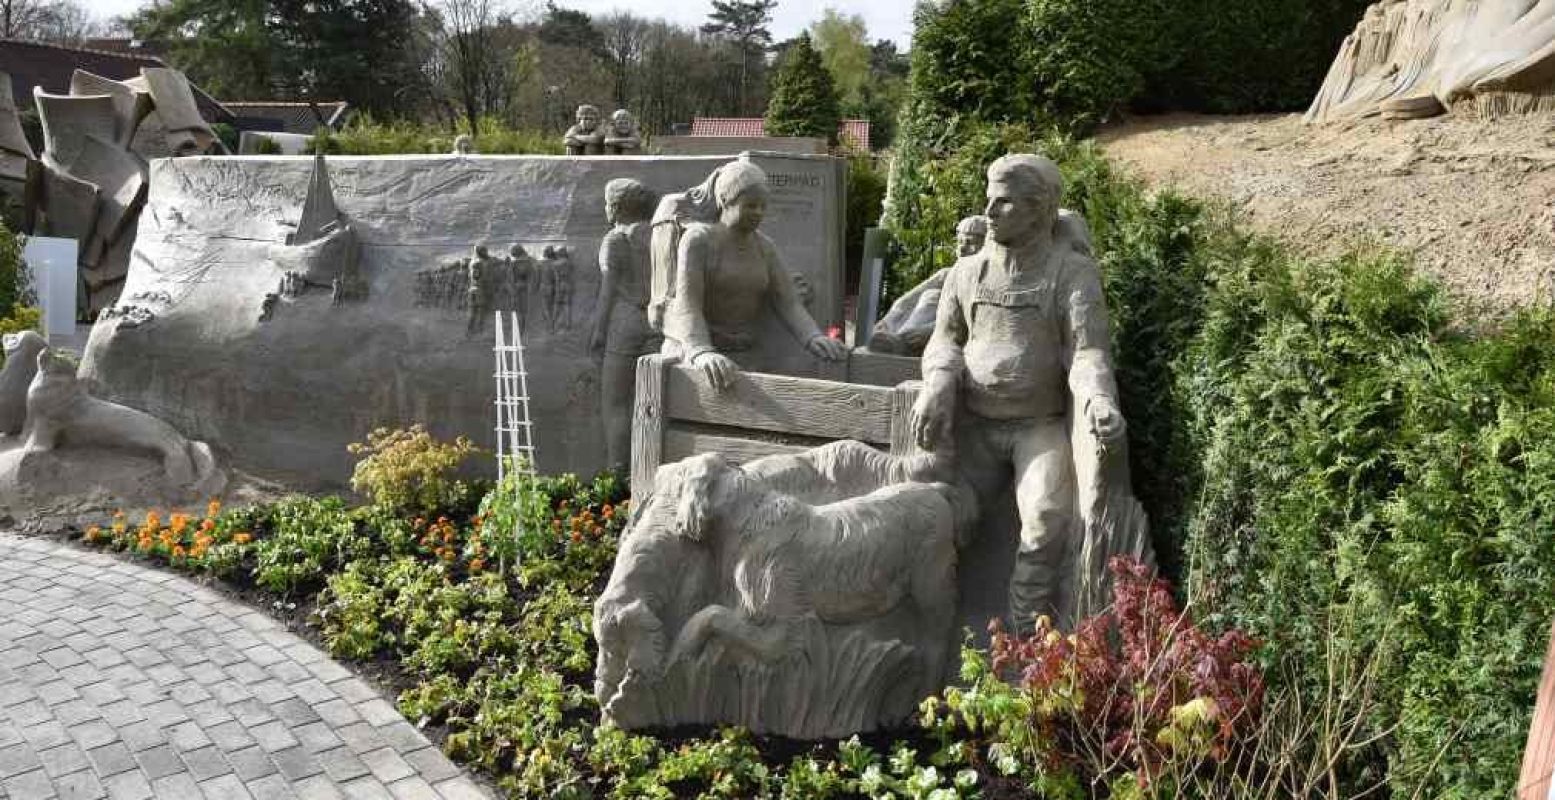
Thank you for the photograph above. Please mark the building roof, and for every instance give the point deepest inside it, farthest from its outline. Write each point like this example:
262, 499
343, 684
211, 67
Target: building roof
852, 134
285, 117
50, 66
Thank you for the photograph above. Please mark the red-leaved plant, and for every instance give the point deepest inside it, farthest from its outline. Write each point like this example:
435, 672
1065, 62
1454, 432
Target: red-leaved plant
1136, 687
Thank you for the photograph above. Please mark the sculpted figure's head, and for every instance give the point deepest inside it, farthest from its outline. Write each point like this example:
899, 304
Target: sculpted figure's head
1023, 195
623, 124
588, 118
970, 234
742, 196
627, 201
463, 144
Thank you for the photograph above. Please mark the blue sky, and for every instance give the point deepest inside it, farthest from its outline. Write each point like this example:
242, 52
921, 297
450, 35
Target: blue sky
887, 19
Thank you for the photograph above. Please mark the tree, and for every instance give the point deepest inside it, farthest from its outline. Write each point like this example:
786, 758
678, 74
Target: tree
567, 27
744, 24
468, 61
804, 100
61, 21
844, 47
225, 46
354, 50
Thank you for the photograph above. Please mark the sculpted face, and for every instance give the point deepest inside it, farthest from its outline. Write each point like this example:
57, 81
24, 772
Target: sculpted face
969, 242
1013, 215
622, 123
588, 119
747, 210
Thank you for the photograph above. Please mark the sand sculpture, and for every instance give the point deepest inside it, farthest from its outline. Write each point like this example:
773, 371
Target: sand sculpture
1019, 385
803, 595
1417, 58
94, 175
69, 448
725, 275
623, 139
586, 137
621, 331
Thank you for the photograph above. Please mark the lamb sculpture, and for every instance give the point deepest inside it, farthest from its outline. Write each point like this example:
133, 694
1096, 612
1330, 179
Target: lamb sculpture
809, 595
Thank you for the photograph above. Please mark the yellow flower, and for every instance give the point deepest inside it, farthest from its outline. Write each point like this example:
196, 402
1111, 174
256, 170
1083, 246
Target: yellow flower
242, 538
213, 507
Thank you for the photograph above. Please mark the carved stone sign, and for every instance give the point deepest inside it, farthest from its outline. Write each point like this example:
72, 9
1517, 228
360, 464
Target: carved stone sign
285, 395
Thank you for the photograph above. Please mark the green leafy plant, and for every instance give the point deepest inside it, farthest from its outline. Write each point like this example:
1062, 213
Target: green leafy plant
407, 469
804, 99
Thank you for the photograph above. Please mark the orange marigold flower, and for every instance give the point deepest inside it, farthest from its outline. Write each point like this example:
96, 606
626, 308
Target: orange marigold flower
577, 535
92, 532
213, 507
608, 512
476, 565
178, 551
242, 538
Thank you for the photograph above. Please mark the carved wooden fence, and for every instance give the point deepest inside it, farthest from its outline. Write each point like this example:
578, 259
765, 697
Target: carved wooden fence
679, 415
1539, 758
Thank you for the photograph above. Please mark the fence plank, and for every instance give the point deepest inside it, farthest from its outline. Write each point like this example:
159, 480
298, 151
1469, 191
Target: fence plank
680, 443
1539, 758
882, 369
903, 398
647, 425
781, 404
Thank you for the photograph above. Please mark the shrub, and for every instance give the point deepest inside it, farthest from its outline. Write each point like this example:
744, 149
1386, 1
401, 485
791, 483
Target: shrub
866, 192
407, 469
368, 137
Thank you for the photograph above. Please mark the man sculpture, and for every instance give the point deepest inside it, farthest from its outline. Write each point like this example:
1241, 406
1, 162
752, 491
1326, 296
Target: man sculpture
586, 138
1019, 350
907, 326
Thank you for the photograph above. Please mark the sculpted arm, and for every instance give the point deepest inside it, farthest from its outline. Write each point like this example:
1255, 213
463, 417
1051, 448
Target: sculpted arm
785, 300
614, 257
685, 319
944, 362
1089, 345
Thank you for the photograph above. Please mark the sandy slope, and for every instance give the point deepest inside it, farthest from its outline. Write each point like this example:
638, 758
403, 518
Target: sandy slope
1473, 199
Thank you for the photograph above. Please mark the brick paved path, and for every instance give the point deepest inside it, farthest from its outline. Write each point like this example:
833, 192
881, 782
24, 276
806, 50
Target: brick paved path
126, 682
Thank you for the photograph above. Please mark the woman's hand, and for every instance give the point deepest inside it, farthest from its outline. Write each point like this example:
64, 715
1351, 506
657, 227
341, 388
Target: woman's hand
717, 368
823, 346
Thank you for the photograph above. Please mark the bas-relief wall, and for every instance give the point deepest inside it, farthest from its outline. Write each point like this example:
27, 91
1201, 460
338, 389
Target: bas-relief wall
283, 397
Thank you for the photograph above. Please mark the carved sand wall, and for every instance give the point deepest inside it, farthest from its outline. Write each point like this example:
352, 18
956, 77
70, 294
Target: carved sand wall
282, 384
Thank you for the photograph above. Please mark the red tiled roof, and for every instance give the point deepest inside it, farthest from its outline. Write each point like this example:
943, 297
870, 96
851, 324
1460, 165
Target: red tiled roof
50, 65
852, 134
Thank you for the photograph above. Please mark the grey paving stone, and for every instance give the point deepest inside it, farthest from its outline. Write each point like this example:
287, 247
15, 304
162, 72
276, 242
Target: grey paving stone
272, 787
128, 786
317, 737
95, 733
33, 784
319, 787
206, 763
176, 787
461, 788
251, 763
18, 758
366, 788
63, 760
273, 736
160, 761
342, 764
296, 763
431, 764
387, 765
226, 787
111, 759
412, 788
81, 785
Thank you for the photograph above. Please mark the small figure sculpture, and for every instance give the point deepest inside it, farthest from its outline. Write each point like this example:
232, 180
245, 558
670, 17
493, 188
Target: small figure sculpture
1020, 354
906, 327
324, 251
621, 331
267, 306
464, 145
585, 138
478, 289
726, 273
623, 138
804, 595
555, 273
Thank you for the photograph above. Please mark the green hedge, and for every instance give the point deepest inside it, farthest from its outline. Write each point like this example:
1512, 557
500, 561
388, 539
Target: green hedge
368, 137
1328, 461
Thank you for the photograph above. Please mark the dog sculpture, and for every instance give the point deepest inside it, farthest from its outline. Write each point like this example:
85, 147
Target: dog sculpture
749, 557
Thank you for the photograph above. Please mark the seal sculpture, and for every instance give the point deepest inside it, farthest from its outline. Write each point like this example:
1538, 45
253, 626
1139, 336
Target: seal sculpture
60, 411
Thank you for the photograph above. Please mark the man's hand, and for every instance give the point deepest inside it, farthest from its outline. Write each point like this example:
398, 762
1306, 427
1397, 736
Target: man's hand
717, 368
823, 346
1106, 420
931, 419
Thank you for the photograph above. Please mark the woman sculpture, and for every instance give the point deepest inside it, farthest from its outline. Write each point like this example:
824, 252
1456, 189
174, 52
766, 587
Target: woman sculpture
727, 272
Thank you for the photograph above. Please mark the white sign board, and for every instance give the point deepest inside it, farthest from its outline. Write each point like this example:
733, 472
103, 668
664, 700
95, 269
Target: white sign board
53, 264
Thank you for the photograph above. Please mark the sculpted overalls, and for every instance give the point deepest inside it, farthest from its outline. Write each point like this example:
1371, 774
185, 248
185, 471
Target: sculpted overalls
1013, 421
